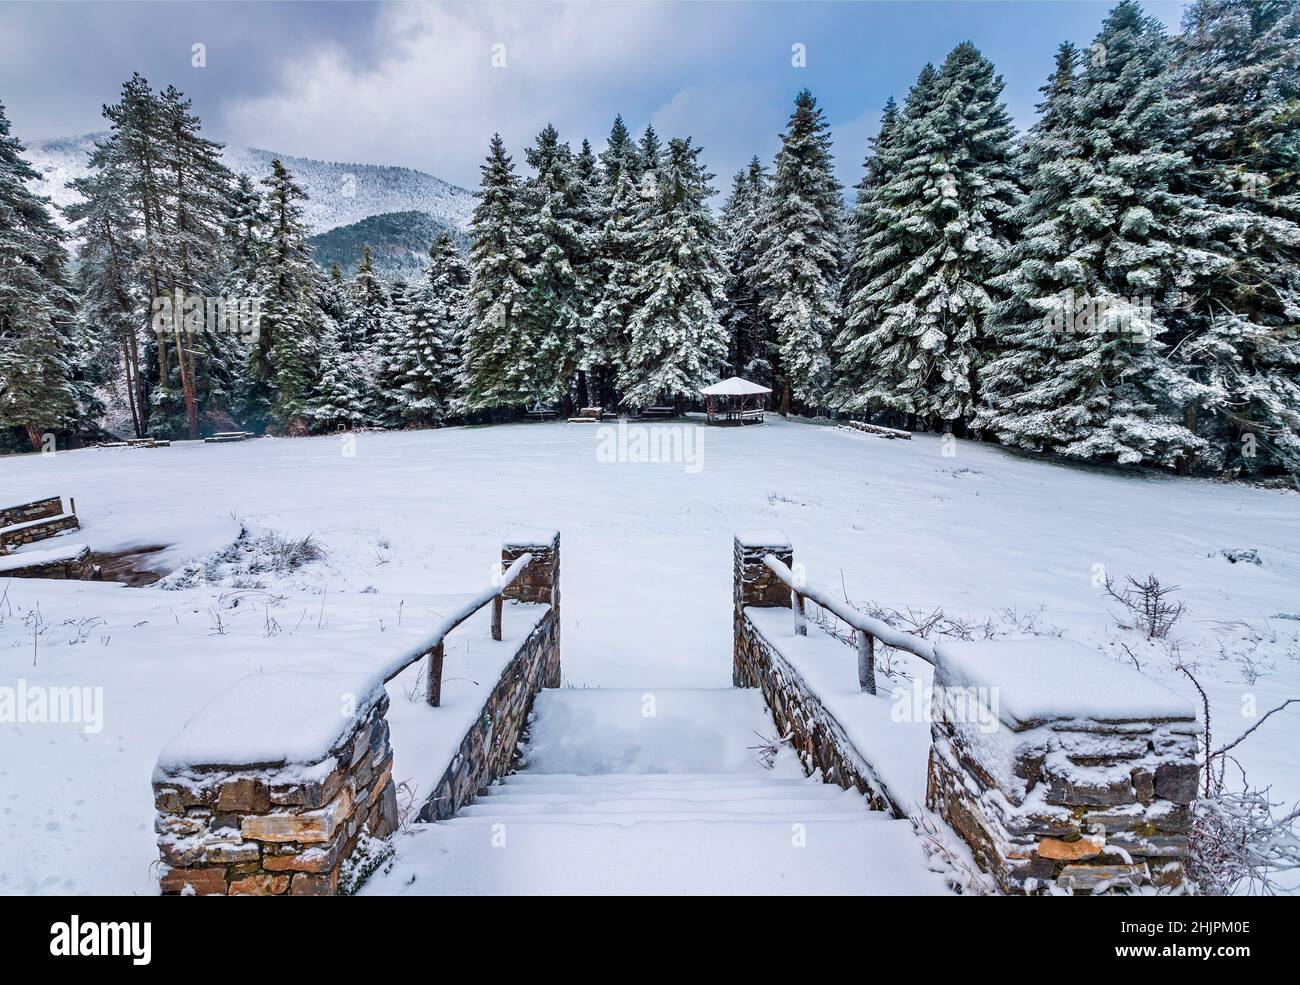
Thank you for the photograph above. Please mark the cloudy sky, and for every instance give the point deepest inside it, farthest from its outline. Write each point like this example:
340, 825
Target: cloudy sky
414, 83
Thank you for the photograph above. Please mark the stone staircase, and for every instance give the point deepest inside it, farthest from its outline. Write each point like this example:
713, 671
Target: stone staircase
610, 802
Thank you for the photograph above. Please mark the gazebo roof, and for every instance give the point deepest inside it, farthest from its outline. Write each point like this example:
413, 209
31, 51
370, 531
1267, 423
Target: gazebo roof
734, 387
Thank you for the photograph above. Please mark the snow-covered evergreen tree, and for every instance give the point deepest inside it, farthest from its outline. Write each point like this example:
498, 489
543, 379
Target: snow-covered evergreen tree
676, 340
933, 231
799, 254
1238, 89
616, 258
420, 363
555, 308
855, 367
741, 231
285, 360
497, 361
368, 308
1081, 368
39, 354
340, 394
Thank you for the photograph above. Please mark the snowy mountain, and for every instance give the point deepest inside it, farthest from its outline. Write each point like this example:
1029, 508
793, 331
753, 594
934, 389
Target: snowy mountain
399, 243
339, 193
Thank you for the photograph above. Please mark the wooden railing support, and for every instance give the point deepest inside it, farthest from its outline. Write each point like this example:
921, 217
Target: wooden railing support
496, 618
866, 661
800, 618
434, 684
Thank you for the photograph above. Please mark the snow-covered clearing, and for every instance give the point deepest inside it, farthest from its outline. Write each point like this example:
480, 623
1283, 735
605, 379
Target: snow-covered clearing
415, 518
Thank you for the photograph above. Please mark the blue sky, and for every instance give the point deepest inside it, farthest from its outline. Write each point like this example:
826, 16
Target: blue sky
414, 84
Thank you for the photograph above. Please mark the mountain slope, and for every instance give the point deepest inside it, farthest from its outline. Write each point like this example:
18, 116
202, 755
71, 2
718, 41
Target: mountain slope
399, 242
340, 194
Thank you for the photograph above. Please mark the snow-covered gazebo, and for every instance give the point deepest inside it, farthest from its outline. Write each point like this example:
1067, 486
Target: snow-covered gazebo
735, 401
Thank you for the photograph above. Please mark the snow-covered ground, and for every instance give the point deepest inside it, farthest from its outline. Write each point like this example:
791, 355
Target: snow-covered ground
412, 518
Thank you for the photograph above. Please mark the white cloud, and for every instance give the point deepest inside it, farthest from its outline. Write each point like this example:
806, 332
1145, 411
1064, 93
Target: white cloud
430, 96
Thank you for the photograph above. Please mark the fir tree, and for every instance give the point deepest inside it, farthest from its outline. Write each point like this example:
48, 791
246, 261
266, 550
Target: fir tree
286, 356
799, 253
616, 258
421, 361
676, 341
741, 231
1081, 369
1237, 84
39, 353
497, 363
933, 230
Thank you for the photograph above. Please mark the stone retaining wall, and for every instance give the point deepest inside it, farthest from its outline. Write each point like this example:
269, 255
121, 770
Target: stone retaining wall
1070, 803
79, 567
488, 749
293, 827
31, 531
276, 830
1079, 802
37, 509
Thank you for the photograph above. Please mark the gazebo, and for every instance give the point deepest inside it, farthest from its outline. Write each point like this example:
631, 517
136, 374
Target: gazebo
735, 401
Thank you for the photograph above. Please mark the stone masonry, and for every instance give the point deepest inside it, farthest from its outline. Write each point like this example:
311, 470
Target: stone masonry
1077, 802
814, 733
276, 829
488, 749
1066, 803
37, 509
30, 531
77, 564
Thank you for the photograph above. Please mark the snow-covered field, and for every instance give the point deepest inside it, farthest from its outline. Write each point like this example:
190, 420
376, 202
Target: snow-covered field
412, 518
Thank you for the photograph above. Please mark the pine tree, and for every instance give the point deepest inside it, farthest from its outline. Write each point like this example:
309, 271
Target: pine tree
1238, 89
799, 253
855, 363
615, 261
497, 363
369, 308
676, 341
340, 394
1081, 368
554, 311
284, 361
421, 361
934, 229
39, 353
741, 232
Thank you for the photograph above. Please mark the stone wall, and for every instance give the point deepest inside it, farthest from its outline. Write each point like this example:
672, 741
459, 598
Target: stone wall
78, 564
30, 531
488, 749
37, 509
276, 829
292, 825
1064, 802
814, 732
1094, 797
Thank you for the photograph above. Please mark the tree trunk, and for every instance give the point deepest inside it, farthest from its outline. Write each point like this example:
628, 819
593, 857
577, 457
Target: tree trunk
582, 389
34, 435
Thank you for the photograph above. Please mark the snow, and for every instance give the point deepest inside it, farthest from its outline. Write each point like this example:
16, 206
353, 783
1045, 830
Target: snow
1040, 679
734, 387
658, 793
281, 718
24, 559
17, 528
412, 524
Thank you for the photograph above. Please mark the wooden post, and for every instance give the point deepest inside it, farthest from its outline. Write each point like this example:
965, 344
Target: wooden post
496, 618
800, 620
866, 661
435, 675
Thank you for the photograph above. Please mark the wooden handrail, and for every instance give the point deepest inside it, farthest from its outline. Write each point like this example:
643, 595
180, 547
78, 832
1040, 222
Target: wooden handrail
867, 630
433, 645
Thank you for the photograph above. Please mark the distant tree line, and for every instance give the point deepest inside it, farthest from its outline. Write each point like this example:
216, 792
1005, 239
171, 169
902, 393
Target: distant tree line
1120, 284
